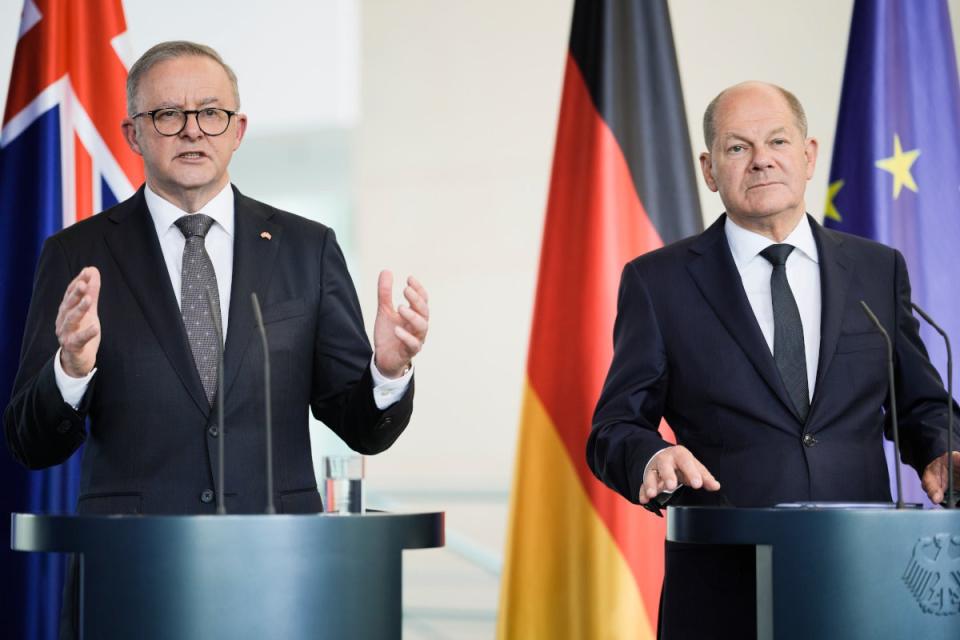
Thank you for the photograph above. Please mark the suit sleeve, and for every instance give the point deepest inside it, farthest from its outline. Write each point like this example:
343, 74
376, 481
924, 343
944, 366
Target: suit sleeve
41, 429
342, 386
625, 432
921, 406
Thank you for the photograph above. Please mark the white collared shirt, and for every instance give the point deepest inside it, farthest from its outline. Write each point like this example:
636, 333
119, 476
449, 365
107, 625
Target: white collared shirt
218, 242
803, 274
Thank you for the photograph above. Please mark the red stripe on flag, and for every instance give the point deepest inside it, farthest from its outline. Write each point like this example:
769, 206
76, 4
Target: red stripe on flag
74, 39
83, 180
595, 224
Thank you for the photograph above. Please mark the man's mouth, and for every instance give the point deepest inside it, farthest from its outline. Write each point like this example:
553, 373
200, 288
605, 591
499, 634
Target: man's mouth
191, 155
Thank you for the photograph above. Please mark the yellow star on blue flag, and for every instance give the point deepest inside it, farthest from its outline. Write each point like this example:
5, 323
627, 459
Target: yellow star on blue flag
899, 167
831, 210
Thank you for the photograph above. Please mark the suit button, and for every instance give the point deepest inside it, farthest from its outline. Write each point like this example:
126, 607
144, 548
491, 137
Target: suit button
206, 496
809, 440
213, 431
63, 427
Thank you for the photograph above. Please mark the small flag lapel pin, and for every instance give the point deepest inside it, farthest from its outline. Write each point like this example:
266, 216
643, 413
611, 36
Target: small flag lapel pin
266, 235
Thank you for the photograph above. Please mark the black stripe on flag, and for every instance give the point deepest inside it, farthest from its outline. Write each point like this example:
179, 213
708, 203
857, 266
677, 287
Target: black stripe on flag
625, 52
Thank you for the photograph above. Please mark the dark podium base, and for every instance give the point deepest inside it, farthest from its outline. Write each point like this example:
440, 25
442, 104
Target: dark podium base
281, 576
847, 573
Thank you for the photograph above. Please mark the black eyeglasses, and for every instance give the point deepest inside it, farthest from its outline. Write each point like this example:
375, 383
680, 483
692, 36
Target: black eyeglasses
170, 122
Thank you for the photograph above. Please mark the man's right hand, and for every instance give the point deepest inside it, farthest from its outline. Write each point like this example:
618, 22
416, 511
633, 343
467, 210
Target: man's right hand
672, 466
78, 325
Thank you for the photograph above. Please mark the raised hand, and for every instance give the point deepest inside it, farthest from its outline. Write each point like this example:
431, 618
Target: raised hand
78, 325
399, 334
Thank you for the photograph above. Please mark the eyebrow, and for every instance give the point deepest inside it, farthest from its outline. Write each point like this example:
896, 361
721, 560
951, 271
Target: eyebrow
737, 136
173, 104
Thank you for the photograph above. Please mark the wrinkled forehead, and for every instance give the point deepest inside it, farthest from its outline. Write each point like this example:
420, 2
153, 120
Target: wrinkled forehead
185, 82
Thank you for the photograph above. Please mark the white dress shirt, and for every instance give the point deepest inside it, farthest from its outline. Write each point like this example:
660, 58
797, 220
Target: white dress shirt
218, 242
803, 275
219, 246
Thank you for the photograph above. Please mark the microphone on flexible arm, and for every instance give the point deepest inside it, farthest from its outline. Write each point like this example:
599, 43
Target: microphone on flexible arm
266, 387
950, 498
221, 502
893, 400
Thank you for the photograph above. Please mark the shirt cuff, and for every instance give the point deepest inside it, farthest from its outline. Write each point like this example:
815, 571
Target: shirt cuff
71, 389
387, 391
647, 468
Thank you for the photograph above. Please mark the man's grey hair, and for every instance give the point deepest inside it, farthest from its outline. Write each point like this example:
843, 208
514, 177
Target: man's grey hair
709, 126
168, 51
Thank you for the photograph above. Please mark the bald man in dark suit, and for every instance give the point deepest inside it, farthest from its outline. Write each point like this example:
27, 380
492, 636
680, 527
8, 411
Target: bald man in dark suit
750, 340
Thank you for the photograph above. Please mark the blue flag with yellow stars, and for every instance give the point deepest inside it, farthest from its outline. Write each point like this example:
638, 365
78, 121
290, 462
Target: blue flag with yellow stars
895, 176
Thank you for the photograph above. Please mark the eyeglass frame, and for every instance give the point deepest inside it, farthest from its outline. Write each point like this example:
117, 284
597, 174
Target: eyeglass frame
186, 117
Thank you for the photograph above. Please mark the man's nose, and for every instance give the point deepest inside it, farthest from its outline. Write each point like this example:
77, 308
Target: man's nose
192, 128
762, 159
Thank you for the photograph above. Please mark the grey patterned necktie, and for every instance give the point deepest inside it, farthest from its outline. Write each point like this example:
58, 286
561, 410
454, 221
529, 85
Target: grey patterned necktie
196, 278
788, 348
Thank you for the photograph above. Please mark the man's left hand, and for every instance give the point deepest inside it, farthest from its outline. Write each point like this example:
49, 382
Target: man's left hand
934, 478
399, 334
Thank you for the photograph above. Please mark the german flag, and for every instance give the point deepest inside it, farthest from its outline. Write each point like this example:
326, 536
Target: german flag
581, 561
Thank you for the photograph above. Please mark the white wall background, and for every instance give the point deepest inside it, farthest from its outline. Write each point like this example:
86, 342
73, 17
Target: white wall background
422, 131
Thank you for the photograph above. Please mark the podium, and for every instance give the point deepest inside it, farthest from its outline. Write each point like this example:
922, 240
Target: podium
236, 576
854, 572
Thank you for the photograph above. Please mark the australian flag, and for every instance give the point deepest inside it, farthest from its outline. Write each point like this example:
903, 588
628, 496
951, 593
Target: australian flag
896, 163
62, 159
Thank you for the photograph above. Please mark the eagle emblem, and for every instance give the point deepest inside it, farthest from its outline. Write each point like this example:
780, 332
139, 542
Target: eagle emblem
933, 575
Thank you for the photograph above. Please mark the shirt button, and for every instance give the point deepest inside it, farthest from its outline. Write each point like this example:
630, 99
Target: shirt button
809, 440
63, 427
213, 431
206, 496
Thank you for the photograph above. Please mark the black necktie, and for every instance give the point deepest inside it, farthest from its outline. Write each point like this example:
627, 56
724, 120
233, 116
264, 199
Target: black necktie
788, 350
196, 278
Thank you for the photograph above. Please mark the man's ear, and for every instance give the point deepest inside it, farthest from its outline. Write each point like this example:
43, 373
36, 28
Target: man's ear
129, 128
810, 148
706, 167
241, 130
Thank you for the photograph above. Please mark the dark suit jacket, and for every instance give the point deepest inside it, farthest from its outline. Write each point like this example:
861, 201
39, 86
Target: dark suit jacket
151, 446
689, 349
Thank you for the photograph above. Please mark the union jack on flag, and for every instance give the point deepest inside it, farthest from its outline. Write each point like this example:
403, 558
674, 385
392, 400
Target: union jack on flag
62, 159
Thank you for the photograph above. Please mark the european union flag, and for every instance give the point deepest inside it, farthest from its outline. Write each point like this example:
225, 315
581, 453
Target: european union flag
896, 163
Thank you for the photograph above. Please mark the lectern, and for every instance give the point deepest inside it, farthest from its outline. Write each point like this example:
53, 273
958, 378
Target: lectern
850, 572
236, 576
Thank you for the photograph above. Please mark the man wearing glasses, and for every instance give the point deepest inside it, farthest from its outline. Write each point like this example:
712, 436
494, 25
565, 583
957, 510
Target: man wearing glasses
129, 308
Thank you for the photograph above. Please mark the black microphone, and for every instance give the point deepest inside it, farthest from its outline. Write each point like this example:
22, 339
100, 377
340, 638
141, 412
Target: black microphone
893, 400
221, 502
951, 498
266, 392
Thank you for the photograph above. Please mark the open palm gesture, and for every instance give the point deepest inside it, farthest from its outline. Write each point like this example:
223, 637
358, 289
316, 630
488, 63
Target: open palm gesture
399, 333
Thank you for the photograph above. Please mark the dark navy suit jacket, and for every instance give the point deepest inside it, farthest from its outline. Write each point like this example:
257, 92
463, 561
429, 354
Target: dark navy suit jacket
688, 348
151, 445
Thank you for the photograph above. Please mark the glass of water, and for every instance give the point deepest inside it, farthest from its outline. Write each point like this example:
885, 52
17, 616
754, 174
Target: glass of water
343, 484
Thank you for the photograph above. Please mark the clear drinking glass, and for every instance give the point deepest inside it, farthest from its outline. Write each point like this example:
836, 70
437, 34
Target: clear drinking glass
343, 484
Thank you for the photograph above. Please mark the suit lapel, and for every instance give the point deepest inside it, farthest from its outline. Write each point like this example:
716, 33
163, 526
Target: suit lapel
253, 258
716, 275
836, 272
136, 250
